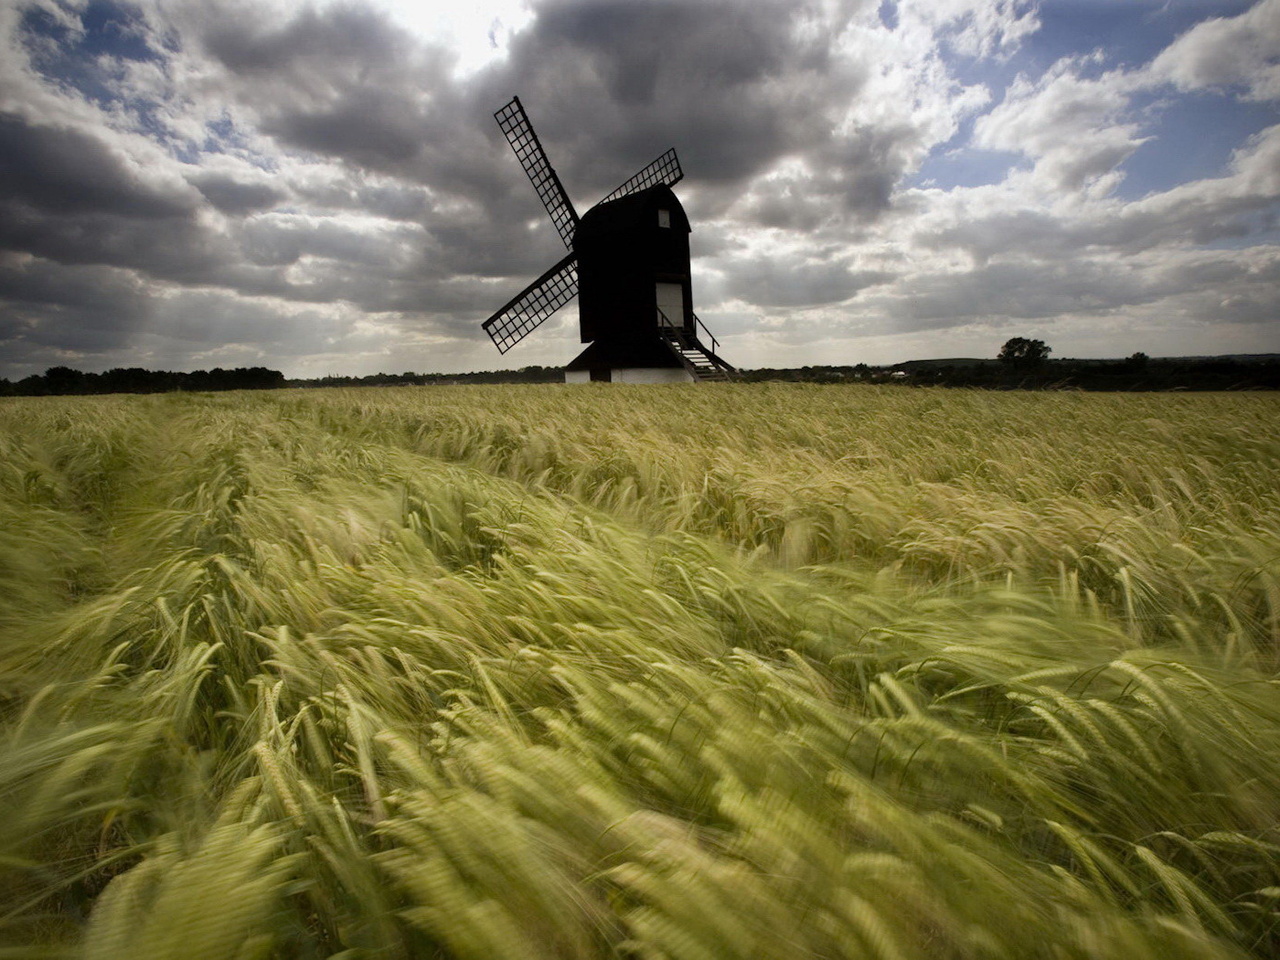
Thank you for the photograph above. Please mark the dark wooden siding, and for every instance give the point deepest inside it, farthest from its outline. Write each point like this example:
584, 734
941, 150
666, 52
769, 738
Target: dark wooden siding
622, 254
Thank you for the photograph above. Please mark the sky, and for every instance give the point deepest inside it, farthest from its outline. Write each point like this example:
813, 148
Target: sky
321, 188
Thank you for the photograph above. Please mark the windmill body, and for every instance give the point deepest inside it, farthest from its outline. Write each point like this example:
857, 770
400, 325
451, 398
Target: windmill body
628, 263
633, 279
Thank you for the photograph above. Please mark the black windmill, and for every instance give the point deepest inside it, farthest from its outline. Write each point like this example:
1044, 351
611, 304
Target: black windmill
628, 263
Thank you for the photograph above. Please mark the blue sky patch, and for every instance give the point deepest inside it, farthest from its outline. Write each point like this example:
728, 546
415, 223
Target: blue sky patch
1129, 33
85, 60
1193, 136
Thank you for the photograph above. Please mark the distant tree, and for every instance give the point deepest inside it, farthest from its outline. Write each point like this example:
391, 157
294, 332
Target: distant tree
1021, 352
1138, 361
61, 380
129, 380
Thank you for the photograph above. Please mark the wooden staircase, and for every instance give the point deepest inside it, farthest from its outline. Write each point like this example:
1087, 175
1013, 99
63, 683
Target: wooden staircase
699, 362
702, 363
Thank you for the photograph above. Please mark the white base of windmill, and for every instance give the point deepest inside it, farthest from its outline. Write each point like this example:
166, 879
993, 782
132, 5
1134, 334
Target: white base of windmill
632, 375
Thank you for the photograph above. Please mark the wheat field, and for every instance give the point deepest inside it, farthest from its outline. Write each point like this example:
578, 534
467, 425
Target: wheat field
733, 671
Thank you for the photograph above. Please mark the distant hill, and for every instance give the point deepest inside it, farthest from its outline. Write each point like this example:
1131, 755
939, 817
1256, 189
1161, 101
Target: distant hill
1135, 373
1235, 357
912, 365
934, 364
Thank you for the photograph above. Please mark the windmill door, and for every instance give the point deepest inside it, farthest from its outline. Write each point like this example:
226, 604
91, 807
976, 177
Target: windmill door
671, 303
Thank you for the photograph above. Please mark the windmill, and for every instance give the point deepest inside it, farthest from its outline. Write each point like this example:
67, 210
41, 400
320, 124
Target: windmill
628, 264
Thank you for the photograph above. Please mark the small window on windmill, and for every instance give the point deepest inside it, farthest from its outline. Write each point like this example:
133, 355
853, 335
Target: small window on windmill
664, 218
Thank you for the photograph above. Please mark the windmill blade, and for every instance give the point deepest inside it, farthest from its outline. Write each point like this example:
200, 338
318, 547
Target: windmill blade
528, 148
533, 304
665, 170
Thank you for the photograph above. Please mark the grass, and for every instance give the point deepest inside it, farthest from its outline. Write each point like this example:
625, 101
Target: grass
754, 671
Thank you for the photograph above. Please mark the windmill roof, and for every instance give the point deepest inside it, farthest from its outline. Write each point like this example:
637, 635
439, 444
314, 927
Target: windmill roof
627, 212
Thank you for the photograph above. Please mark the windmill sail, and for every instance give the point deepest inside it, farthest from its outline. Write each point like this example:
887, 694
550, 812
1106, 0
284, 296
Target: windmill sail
533, 304
665, 170
528, 148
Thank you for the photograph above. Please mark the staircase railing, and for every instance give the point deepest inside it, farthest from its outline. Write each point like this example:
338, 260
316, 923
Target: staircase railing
676, 331
675, 336
669, 328
699, 325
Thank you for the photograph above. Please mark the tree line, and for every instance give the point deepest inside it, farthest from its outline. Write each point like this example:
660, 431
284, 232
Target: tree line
62, 381
1024, 365
533, 374
57, 381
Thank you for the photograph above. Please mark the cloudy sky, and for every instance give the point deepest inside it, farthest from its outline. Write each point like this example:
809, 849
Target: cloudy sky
321, 188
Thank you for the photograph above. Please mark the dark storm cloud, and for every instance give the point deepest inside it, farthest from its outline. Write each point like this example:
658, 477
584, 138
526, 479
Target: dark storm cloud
774, 282
393, 200
339, 36
72, 308
362, 128
73, 196
70, 196
236, 197
608, 85
1043, 290
490, 244
344, 81
1028, 290
63, 170
172, 249
845, 182
1197, 219
734, 86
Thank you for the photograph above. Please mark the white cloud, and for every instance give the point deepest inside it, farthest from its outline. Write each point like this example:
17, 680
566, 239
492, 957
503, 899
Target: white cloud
976, 28
1239, 51
479, 34
1077, 130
